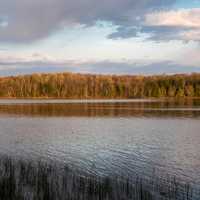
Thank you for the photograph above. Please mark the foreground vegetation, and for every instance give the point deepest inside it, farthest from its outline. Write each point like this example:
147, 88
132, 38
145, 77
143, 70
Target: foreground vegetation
42, 181
68, 85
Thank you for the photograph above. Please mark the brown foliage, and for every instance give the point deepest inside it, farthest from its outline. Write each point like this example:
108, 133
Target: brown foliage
69, 85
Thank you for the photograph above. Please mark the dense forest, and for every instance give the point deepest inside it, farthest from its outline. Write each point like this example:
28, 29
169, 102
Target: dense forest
69, 85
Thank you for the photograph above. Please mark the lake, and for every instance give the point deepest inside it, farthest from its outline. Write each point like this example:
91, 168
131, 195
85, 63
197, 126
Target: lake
102, 137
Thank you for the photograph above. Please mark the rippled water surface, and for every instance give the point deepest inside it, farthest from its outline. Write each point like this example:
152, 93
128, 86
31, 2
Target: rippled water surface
139, 137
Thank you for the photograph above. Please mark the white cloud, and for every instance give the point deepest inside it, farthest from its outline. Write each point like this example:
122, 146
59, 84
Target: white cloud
187, 18
183, 24
190, 58
190, 35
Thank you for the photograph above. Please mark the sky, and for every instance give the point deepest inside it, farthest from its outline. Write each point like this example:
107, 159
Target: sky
99, 36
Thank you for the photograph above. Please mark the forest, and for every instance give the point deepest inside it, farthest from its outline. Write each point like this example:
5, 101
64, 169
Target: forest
87, 86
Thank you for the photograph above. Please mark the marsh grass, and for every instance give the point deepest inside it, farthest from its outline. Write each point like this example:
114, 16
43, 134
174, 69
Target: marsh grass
28, 180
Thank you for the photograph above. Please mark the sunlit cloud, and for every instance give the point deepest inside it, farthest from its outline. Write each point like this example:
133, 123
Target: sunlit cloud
183, 24
188, 18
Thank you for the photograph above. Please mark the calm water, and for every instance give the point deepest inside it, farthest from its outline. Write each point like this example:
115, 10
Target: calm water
128, 138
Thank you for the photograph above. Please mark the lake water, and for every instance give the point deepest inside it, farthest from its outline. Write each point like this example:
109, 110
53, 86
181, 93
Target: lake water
133, 137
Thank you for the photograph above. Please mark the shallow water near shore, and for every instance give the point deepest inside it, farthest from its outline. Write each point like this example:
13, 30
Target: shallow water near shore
120, 138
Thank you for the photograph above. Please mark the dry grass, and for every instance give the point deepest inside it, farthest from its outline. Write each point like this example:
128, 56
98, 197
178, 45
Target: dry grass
26, 180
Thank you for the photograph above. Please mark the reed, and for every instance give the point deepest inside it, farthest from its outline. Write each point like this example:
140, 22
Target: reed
29, 180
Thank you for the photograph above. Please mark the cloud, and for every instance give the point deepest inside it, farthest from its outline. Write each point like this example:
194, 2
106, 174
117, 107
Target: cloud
182, 24
38, 63
164, 67
190, 58
31, 20
184, 18
23, 21
105, 67
124, 32
32, 61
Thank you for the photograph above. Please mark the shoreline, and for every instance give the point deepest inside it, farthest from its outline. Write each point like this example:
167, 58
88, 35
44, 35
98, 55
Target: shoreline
100, 99
17, 101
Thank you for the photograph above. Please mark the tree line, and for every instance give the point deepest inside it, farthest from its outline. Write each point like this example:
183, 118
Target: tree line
69, 85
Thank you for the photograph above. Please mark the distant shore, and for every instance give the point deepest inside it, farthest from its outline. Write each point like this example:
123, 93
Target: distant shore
104, 99
89, 86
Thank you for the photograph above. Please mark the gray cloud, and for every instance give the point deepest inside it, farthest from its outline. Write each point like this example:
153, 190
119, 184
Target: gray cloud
163, 33
30, 20
104, 67
124, 32
165, 67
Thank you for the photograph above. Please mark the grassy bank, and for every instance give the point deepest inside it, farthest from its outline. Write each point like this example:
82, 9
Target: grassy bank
42, 181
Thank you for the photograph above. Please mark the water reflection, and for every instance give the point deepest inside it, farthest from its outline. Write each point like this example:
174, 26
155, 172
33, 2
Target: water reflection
123, 108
